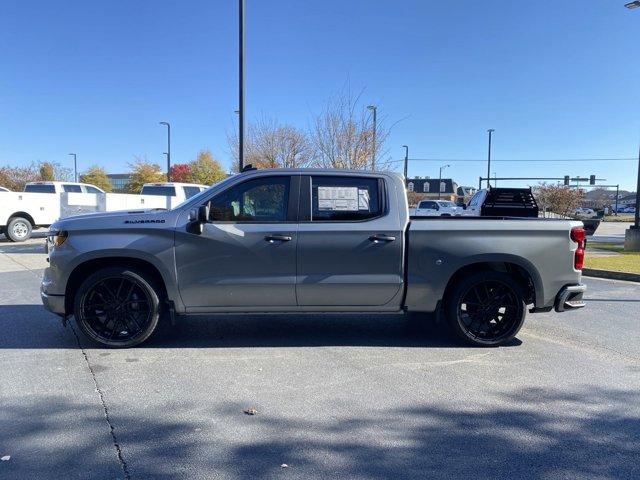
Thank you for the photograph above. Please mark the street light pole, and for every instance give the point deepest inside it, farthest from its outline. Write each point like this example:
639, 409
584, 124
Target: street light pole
241, 86
406, 162
632, 235
440, 179
374, 108
491, 130
75, 166
168, 150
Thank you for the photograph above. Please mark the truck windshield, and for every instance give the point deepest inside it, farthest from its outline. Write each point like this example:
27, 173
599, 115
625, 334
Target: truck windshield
40, 188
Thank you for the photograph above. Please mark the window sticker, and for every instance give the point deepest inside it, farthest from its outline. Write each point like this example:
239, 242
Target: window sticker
363, 199
345, 199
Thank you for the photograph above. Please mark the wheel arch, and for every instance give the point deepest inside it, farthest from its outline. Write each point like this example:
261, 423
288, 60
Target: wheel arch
139, 265
526, 275
24, 215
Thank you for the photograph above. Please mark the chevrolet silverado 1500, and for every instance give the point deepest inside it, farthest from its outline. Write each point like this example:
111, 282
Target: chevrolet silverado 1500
308, 241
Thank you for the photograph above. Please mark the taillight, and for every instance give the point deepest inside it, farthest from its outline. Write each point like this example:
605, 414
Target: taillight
579, 236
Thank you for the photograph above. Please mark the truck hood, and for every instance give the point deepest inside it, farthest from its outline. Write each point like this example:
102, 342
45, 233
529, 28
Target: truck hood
118, 219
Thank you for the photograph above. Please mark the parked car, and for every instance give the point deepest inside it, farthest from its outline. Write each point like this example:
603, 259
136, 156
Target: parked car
499, 202
437, 208
583, 212
308, 241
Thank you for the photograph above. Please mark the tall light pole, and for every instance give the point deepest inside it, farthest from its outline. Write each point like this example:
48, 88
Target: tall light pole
75, 166
440, 179
632, 235
406, 162
374, 108
168, 150
241, 86
491, 130
495, 179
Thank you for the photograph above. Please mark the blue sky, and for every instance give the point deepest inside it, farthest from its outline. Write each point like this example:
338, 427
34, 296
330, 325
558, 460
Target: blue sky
555, 79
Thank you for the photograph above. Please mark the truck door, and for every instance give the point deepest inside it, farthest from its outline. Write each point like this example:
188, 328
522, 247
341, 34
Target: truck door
349, 242
246, 254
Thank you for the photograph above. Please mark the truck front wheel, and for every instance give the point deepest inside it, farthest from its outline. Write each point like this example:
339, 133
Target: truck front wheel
486, 309
117, 307
19, 229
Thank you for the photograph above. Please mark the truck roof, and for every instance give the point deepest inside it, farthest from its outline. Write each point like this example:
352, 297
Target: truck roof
59, 183
173, 184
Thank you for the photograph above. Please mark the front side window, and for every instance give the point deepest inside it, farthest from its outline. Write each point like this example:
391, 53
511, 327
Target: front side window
344, 198
474, 200
91, 189
72, 188
258, 201
429, 205
191, 191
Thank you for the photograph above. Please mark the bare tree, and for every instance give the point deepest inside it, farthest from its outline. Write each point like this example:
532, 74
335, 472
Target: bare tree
269, 144
558, 198
342, 135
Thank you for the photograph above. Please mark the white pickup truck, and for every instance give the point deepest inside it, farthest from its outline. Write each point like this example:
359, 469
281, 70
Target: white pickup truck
43, 203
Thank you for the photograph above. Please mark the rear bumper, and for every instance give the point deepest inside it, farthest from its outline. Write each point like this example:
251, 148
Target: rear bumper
570, 297
53, 303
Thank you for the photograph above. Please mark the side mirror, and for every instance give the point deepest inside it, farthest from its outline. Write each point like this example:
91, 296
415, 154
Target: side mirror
464, 206
197, 218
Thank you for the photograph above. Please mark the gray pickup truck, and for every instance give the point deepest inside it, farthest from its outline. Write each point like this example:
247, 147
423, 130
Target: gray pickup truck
308, 241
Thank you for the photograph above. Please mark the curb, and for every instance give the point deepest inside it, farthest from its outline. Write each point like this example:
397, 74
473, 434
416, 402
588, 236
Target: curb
629, 277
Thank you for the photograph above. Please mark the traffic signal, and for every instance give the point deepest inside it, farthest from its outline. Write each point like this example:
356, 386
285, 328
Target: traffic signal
567, 180
592, 179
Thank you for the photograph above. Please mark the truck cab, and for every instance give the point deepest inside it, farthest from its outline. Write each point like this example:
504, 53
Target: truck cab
61, 187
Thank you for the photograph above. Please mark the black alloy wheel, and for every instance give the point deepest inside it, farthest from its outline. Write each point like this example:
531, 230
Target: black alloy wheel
487, 308
117, 307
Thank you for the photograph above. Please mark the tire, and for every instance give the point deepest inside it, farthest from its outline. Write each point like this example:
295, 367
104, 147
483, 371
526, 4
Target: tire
117, 307
19, 229
486, 309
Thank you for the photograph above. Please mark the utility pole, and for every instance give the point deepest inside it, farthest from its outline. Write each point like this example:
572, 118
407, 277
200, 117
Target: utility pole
75, 166
241, 87
168, 149
374, 108
406, 162
491, 130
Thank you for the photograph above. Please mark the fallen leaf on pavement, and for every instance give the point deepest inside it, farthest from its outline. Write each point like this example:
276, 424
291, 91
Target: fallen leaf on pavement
5, 458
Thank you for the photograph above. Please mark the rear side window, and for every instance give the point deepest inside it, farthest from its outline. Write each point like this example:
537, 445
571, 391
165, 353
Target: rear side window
40, 188
191, 191
340, 199
160, 190
72, 188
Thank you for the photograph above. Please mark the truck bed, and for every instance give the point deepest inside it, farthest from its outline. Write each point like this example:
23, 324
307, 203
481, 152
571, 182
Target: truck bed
438, 247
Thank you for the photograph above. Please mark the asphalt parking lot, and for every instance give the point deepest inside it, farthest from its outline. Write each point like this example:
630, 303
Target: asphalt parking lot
358, 397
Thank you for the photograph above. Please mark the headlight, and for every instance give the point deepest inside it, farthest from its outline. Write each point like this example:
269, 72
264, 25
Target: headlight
58, 237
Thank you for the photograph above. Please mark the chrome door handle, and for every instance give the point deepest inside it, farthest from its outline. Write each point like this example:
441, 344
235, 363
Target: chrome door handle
381, 238
277, 238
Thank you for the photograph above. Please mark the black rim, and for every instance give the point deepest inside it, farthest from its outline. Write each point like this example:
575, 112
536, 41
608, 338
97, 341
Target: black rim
116, 309
489, 310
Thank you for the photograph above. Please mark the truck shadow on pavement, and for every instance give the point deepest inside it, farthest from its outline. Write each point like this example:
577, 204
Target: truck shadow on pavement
30, 326
535, 433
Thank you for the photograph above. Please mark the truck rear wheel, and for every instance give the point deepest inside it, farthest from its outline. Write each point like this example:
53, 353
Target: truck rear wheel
486, 309
19, 229
117, 307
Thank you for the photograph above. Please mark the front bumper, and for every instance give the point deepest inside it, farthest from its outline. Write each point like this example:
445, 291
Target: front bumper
570, 297
53, 303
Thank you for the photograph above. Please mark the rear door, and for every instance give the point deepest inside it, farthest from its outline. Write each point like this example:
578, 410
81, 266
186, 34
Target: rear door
349, 245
